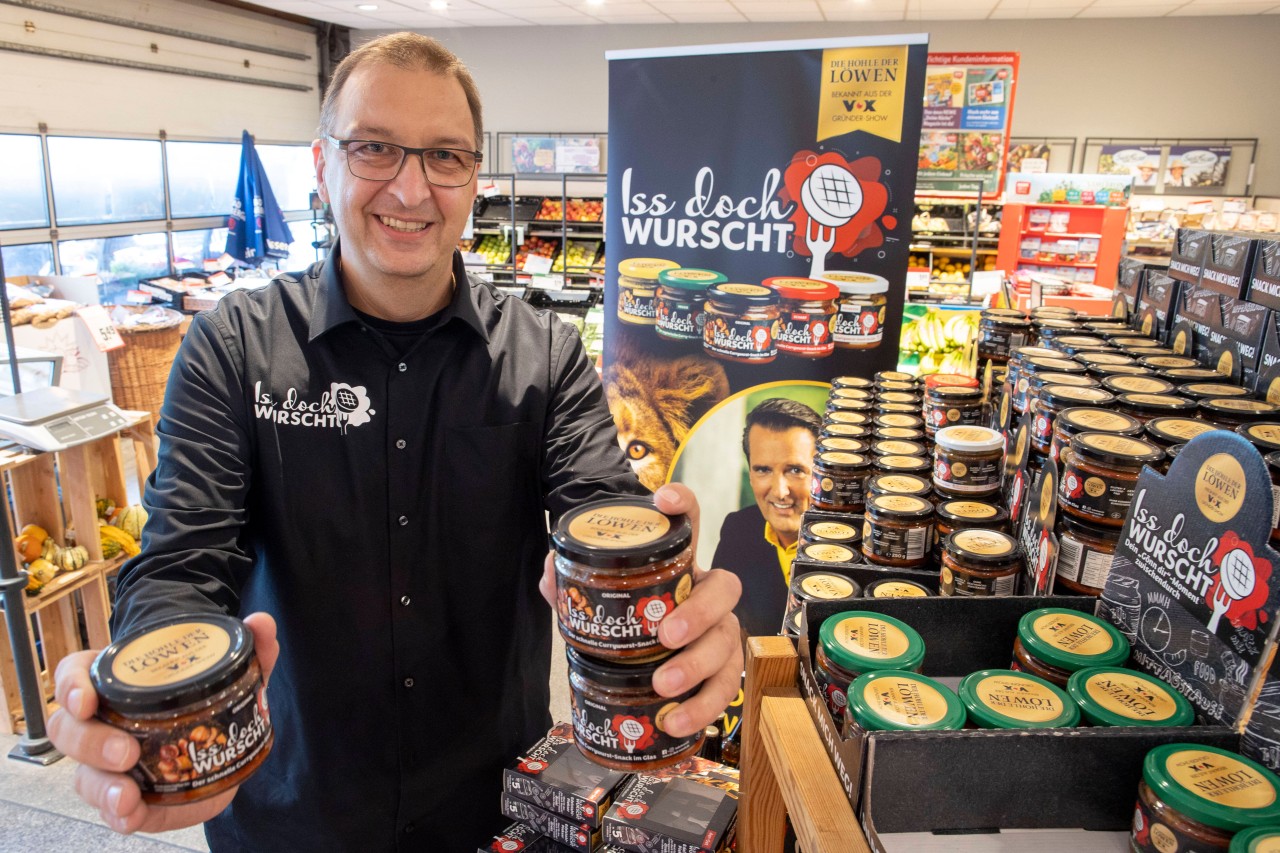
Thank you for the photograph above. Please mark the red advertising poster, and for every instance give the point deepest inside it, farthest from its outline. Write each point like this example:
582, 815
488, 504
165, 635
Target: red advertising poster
968, 110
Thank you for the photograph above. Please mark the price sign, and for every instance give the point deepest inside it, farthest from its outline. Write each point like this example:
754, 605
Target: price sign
105, 335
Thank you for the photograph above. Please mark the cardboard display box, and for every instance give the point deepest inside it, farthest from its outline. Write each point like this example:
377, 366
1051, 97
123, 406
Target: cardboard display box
1129, 281
1198, 308
1266, 383
1156, 305
575, 836
1235, 340
690, 807
1190, 248
522, 838
554, 775
1264, 277
1228, 264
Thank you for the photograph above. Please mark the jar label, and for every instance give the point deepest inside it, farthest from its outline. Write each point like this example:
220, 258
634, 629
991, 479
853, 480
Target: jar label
841, 458
680, 319
693, 275
637, 305
196, 751
740, 338
963, 584
619, 526
978, 474
830, 492
804, 333
621, 622
901, 503
909, 463
898, 589
1074, 635
630, 733
897, 544
858, 322
970, 509
826, 586
1245, 405
1220, 487
171, 654
1170, 361
1117, 444
940, 415
745, 289
833, 530
850, 394
984, 542
849, 418
995, 342
1091, 496
1140, 384
1019, 698
849, 444
905, 702
1187, 429
1080, 564
1130, 696
868, 637
1219, 779
829, 552
1151, 836
1166, 400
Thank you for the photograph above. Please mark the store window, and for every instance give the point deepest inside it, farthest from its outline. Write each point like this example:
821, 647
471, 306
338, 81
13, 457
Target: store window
105, 180
28, 259
192, 248
23, 203
301, 253
292, 174
120, 262
202, 177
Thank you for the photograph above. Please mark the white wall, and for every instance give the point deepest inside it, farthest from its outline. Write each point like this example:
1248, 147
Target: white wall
71, 96
1165, 77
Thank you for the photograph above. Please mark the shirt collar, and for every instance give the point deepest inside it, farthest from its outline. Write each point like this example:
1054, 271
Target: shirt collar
332, 308
771, 537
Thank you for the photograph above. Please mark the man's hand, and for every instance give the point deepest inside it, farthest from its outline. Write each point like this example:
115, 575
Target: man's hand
106, 753
703, 627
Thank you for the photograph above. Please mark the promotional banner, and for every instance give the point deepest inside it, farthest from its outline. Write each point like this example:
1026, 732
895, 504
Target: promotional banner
1140, 162
1197, 166
968, 109
760, 201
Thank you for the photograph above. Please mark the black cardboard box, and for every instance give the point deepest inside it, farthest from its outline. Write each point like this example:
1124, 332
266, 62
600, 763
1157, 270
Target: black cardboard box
1264, 277
1228, 264
1198, 308
1129, 281
1267, 382
1156, 305
522, 838
554, 775
691, 807
1235, 340
575, 836
1190, 248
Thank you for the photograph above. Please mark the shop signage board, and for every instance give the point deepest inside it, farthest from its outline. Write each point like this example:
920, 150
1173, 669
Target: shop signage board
752, 162
968, 109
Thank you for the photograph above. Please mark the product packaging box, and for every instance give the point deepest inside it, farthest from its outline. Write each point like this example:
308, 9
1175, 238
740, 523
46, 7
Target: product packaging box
1129, 280
1157, 303
1198, 308
522, 838
1228, 264
576, 836
1190, 248
1235, 340
1264, 277
691, 807
1267, 382
554, 775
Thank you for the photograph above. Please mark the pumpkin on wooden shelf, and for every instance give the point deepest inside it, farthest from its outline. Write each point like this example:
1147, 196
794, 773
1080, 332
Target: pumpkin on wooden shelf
39, 572
73, 559
132, 519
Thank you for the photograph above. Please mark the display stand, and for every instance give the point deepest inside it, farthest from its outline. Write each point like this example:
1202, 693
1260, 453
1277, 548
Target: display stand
785, 770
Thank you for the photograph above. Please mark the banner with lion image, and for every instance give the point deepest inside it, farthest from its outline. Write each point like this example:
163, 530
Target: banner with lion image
760, 203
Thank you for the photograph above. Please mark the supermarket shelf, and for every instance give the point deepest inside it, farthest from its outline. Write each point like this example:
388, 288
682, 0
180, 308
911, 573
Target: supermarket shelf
951, 251
1057, 264
1039, 232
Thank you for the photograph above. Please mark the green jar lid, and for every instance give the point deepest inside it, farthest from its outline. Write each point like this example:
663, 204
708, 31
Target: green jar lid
1004, 699
1213, 786
1262, 839
886, 700
689, 278
860, 641
1071, 640
1113, 696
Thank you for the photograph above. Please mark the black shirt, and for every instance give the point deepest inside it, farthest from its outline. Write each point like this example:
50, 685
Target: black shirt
389, 510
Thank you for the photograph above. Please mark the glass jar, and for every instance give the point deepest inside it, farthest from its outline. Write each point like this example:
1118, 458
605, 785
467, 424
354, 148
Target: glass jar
823, 531
621, 567
1085, 553
1262, 839
1078, 419
891, 700
682, 294
1144, 407
1113, 696
1054, 642
1149, 349
978, 562
1040, 381
1018, 360
896, 588
1195, 797
853, 394
201, 722
638, 289
967, 461
1005, 699
1189, 375
1265, 435
818, 586
1100, 372
1231, 412
965, 514
860, 309
1167, 362
1089, 359
1048, 328
741, 323
839, 430
1059, 311
917, 465
807, 309
895, 408
1209, 390
899, 420
885, 376
831, 554
1099, 474
848, 404
845, 417
951, 405
898, 447
933, 380
897, 484
836, 481
1063, 342
852, 382
999, 334
1031, 367
898, 531
900, 434
618, 717
848, 445
1123, 384
1056, 398
907, 397
1166, 432
855, 641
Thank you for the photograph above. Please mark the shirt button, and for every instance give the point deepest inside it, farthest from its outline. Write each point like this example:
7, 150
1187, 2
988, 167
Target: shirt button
403, 367
404, 519
408, 682
401, 444
404, 599
408, 829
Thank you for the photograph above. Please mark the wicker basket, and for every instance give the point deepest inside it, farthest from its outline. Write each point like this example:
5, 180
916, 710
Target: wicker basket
140, 369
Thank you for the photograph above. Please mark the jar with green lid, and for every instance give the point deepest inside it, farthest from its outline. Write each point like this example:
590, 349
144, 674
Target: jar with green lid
899, 419
807, 310
1114, 696
846, 417
896, 588
898, 447
1005, 699
968, 461
849, 445
965, 514
1209, 390
827, 531
836, 481
1190, 375
1054, 399
1054, 642
841, 430
897, 484
1125, 384
980, 563
741, 323
917, 465
898, 530
951, 405
889, 700
1085, 554
818, 586
1260, 839
638, 289
1100, 473
1078, 419
851, 382
1102, 371
899, 433
682, 295
1231, 412
860, 309
1166, 432
1020, 393
1196, 797
855, 641
1144, 407
1167, 362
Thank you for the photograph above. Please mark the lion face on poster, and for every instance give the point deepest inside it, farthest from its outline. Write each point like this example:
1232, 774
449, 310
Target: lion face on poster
654, 403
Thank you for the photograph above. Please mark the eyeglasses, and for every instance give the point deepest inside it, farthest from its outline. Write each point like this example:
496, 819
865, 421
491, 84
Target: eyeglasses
382, 161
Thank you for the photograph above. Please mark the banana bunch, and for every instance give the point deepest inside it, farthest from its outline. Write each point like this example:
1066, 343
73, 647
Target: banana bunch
942, 341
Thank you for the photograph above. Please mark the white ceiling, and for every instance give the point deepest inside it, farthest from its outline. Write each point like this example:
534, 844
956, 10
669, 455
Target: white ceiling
424, 14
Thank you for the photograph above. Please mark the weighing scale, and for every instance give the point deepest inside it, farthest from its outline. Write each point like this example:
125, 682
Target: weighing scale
54, 418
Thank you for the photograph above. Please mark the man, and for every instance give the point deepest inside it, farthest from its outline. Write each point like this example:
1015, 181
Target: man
758, 543
361, 458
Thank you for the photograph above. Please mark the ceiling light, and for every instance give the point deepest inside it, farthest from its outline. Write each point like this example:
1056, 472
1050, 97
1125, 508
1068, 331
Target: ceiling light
439, 5
367, 7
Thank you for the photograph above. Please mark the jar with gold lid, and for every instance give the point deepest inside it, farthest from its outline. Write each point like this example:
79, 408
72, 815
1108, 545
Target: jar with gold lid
917, 465
840, 430
1125, 384
860, 308
897, 484
1056, 398
899, 433
849, 404
1020, 393
1144, 407
1167, 362
896, 588
742, 323
898, 447
1166, 432
638, 289
1102, 371
1231, 412
980, 562
951, 405
967, 461
853, 393
852, 382
818, 586
846, 417
1100, 473
885, 376
898, 419
851, 445
966, 514
1189, 375
1085, 554
831, 532
911, 398
887, 408
1000, 334
836, 481
1209, 390
1078, 419
1264, 435
897, 531
1108, 358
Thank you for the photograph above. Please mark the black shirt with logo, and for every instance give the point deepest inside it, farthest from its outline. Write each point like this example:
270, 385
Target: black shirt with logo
388, 505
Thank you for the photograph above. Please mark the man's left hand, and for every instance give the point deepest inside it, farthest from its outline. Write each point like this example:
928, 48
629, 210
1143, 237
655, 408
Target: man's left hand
703, 627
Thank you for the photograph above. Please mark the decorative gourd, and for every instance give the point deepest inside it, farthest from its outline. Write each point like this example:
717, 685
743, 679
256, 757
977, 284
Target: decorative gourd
110, 548
73, 559
49, 550
39, 573
126, 543
29, 547
104, 506
35, 531
132, 519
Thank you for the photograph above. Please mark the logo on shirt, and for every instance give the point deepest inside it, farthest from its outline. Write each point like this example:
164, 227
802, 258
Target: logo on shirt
342, 406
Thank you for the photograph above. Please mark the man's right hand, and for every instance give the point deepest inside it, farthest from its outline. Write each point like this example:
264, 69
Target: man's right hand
106, 753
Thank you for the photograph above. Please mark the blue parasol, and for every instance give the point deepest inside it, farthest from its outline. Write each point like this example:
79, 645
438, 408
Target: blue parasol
267, 234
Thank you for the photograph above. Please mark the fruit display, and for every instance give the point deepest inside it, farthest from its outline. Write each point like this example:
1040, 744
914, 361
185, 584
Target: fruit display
578, 254
939, 341
547, 247
571, 210
44, 558
495, 249
954, 270
111, 533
